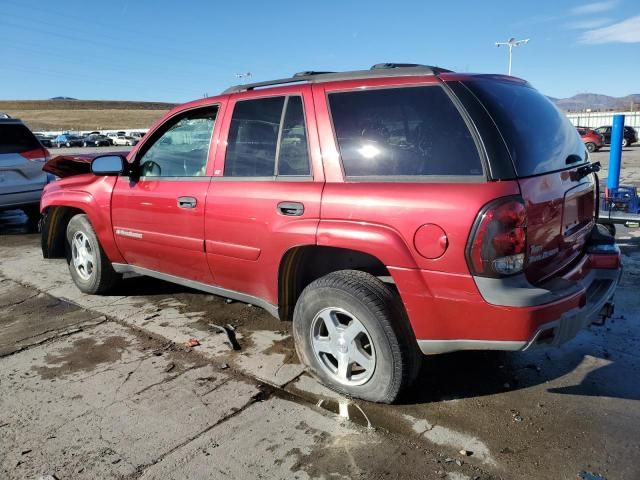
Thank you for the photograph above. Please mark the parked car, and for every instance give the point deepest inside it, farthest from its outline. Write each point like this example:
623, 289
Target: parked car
137, 135
67, 140
593, 141
96, 141
630, 136
21, 176
124, 140
44, 140
388, 213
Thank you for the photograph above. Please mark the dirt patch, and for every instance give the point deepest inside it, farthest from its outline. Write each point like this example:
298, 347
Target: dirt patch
284, 347
84, 356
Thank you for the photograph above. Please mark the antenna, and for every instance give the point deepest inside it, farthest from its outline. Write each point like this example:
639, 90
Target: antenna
511, 43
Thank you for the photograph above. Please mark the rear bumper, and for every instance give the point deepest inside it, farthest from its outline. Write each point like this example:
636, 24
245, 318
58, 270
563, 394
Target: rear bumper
448, 313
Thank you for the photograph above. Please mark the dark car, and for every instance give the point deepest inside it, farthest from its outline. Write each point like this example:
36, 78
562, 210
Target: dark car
96, 141
630, 135
44, 140
593, 141
387, 212
67, 140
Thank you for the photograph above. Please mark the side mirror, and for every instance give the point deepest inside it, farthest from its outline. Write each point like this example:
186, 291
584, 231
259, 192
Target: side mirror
108, 165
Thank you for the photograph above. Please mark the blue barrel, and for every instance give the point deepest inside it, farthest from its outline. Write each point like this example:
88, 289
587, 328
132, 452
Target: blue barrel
615, 152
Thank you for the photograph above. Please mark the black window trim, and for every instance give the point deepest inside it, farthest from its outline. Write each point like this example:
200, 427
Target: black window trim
150, 140
275, 177
480, 178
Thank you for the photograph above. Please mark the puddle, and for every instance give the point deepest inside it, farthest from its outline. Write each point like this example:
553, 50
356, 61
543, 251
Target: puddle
83, 356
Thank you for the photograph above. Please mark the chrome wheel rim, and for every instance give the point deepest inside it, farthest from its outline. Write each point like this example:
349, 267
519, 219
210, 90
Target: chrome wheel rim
343, 347
83, 255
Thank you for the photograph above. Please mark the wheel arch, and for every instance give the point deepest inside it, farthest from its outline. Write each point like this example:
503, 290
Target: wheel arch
301, 265
59, 207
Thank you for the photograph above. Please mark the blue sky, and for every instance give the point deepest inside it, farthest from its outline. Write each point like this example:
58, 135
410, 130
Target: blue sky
180, 50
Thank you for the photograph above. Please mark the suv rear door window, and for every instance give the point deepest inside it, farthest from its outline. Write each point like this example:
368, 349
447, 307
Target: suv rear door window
402, 131
263, 142
540, 138
16, 138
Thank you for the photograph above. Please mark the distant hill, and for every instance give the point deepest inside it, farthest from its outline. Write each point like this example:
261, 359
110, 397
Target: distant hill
64, 113
63, 98
598, 102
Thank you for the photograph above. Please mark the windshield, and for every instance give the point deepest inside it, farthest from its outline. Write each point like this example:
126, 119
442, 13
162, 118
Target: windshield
540, 138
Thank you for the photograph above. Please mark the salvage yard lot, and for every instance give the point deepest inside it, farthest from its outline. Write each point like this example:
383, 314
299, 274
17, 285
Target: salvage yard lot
103, 387
84, 114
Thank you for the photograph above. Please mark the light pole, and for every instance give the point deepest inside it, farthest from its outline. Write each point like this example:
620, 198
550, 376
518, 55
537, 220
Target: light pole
512, 42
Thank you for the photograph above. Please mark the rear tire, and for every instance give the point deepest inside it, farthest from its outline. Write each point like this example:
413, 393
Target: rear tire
591, 147
353, 334
90, 268
625, 142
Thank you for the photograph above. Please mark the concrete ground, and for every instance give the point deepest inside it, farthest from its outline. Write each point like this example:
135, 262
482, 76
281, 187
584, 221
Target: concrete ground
103, 387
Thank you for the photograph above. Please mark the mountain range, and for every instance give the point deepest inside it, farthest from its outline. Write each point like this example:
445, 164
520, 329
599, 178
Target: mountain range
598, 102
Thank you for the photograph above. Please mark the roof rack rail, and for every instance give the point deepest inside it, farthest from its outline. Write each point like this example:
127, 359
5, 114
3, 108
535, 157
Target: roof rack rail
385, 66
378, 70
309, 73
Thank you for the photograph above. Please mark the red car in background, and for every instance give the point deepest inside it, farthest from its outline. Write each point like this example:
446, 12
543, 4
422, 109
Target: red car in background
593, 141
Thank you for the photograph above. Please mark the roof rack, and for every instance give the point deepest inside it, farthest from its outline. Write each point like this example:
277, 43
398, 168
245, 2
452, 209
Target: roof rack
377, 70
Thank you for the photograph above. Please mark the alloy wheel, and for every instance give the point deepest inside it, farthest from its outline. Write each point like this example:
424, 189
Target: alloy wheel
343, 347
83, 255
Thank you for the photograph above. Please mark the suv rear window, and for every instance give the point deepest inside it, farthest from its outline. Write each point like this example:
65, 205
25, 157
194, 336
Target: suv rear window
540, 138
402, 131
16, 138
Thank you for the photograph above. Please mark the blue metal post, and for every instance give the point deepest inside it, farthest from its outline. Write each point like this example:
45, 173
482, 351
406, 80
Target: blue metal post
615, 152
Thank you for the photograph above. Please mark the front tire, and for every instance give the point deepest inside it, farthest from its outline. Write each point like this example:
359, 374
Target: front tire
591, 147
353, 334
625, 142
90, 268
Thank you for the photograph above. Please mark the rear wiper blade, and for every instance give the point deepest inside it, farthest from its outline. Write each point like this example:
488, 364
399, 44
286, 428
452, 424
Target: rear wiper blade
588, 169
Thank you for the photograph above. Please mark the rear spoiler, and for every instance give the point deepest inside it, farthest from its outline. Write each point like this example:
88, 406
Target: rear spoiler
68, 165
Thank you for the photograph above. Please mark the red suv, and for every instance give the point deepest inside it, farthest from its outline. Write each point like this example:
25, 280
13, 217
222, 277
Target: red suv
593, 141
389, 213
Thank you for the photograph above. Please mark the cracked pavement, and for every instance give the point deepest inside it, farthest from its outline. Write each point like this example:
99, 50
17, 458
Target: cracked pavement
103, 387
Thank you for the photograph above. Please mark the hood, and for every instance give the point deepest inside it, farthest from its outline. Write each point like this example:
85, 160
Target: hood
68, 165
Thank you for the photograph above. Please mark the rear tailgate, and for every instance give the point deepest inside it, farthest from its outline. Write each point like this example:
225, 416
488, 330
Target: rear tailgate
547, 153
560, 216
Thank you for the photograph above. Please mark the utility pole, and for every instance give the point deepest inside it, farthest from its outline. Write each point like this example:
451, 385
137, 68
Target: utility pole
511, 43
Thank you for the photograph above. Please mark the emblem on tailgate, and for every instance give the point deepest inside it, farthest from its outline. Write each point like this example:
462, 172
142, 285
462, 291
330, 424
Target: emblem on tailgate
536, 253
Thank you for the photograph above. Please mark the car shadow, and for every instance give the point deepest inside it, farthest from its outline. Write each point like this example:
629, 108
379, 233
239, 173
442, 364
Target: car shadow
15, 222
606, 358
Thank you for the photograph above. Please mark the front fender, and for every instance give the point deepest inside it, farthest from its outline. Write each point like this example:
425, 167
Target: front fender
86, 193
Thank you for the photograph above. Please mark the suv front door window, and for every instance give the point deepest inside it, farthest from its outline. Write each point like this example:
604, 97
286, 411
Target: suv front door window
158, 213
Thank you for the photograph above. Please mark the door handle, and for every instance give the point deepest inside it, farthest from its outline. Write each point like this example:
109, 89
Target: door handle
187, 202
293, 209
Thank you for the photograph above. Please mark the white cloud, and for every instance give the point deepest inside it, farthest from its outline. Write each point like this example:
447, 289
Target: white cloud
627, 31
589, 24
595, 7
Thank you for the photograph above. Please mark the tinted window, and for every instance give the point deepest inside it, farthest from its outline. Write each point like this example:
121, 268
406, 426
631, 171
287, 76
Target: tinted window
402, 131
253, 138
182, 147
539, 137
16, 138
293, 158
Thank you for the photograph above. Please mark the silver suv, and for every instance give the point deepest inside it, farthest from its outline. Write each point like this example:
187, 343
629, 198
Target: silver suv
21, 175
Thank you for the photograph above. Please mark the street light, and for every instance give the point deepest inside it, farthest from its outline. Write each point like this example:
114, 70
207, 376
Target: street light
512, 42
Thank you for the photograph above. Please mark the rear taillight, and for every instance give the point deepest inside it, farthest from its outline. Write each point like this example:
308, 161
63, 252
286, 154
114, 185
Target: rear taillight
498, 243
